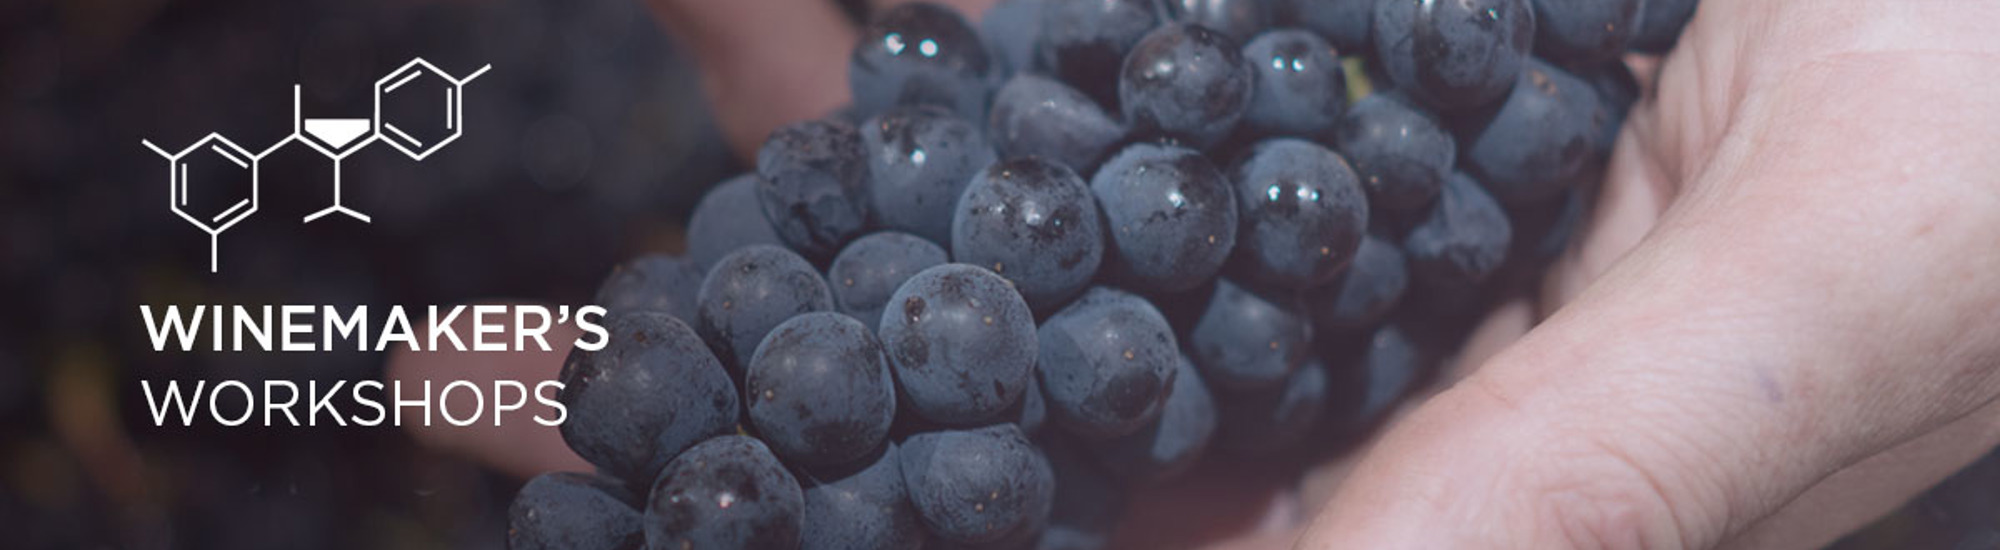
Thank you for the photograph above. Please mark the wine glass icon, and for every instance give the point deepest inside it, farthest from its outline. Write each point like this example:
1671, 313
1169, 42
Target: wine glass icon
336, 138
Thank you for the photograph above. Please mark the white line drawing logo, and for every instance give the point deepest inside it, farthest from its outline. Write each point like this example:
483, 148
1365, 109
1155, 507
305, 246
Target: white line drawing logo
334, 137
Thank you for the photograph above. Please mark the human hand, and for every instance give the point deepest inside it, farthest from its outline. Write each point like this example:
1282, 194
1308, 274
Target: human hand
1780, 324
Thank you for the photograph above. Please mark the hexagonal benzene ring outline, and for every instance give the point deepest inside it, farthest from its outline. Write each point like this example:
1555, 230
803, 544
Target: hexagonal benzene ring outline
177, 182
454, 107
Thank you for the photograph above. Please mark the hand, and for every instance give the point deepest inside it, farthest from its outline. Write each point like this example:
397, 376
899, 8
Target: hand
1782, 323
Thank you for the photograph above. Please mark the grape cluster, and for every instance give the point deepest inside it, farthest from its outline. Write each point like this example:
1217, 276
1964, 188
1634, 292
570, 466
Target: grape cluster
1070, 251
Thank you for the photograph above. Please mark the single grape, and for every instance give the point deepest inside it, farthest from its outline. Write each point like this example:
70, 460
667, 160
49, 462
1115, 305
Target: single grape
1303, 213
1107, 362
871, 268
1660, 24
1010, 28
653, 282
1617, 90
1584, 32
1389, 366
1187, 82
1171, 213
862, 506
1344, 23
1454, 55
1031, 411
652, 391
1271, 420
919, 53
1083, 42
961, 341
1365, 293
813, 185
568, 510
729, 217
919, 160
1239, 19
1168, 447
1540, 139
980, 485
1033, 116
1248, 339
748, 293
1088, 500
1401, 151
1034, 223
1300, 88
1464, 238
727, 492
819, 390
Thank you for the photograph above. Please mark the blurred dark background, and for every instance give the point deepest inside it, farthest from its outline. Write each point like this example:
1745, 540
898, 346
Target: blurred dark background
586, 143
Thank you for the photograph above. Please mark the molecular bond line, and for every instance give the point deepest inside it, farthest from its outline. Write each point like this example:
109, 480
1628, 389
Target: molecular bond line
336, 138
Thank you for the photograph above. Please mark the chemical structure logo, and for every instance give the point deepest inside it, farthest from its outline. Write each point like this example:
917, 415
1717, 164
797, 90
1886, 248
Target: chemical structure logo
216, 208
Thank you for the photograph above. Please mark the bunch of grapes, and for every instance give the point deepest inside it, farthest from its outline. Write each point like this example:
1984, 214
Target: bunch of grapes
1071, 251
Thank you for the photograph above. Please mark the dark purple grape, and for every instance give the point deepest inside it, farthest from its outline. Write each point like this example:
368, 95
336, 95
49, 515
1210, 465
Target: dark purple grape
1303, 213
1171, 215
866, 507
1010, 28
1463, 240
1660, 24
1390, 365
1454, 55
1365, 293
1617, 90
1034, 223
813, 185
1248, 339
1106, 362
819, 390
962, 343
871, 268
1088, 500
1031, 411
568, 510
1083, 42
919, 53
1168, 447
653, 282
1584, 32
749, 292
1036, 117
729, 217
1300, 88
1239, 19
1401, 151
1271, 420
1344, 23
727, 492
919, 160
1186, 82
1540, 139
652, 391
976, 486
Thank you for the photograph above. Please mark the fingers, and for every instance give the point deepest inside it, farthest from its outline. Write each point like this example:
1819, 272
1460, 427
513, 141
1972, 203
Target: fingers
520, 447
764, 63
